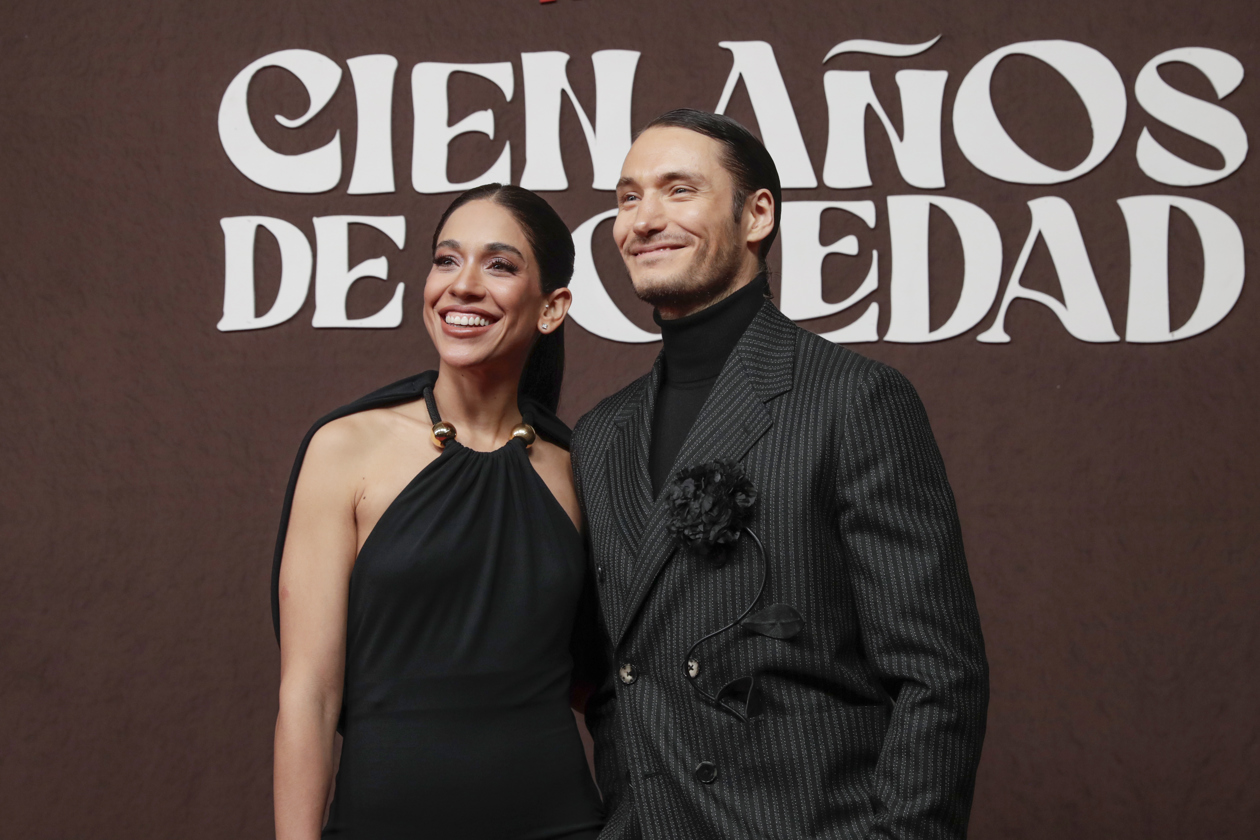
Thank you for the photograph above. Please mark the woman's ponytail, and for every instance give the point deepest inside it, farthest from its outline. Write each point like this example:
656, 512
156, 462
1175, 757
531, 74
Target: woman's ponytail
544, 370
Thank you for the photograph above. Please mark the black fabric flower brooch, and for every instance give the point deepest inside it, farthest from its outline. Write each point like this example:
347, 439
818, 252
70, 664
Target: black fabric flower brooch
710, 508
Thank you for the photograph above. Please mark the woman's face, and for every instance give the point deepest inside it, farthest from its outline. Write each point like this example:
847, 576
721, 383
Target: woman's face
483, 300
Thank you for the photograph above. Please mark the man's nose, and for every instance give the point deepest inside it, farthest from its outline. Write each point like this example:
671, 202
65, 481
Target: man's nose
649, 216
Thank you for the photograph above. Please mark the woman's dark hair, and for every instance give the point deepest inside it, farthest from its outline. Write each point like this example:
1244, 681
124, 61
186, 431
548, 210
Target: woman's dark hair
552, 244
745, 157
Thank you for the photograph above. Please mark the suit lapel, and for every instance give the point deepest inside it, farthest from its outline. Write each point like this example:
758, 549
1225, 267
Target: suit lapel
629, 485
733, 419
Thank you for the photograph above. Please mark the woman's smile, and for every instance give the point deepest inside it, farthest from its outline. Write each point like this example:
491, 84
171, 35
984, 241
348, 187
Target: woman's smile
466, 322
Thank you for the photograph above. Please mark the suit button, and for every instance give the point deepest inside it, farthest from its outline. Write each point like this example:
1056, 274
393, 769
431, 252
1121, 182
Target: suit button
601, 574
693, 668
706, 772
627, 673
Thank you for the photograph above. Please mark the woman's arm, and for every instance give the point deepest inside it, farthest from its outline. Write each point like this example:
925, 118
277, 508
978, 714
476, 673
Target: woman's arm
319, 554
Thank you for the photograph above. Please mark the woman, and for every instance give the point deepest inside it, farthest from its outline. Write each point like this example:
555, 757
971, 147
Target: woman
430, 567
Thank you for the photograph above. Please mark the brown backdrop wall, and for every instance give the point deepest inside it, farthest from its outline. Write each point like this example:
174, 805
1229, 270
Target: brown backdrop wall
1108, 492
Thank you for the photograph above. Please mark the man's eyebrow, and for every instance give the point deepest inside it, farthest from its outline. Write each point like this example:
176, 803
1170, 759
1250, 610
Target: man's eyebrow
683, 175
667, 177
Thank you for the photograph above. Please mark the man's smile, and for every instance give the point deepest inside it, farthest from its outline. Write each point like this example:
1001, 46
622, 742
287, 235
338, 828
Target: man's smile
655, 249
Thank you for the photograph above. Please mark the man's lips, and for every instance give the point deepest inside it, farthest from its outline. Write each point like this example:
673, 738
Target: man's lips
656, 249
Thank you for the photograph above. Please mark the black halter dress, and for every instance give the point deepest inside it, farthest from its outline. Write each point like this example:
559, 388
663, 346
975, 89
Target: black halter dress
455, 716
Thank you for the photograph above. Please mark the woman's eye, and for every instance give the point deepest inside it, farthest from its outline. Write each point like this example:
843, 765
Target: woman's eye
443, 260
502, 265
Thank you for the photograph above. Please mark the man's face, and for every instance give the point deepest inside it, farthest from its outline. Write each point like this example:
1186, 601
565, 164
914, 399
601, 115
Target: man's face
675, 227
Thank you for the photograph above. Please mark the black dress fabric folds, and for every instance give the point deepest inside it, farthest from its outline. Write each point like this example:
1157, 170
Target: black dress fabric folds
455, 716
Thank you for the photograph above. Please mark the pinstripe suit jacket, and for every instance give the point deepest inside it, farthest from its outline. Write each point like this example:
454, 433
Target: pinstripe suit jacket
873, 716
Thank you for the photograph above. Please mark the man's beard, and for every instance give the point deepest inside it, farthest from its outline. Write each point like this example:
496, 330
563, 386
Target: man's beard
702, 283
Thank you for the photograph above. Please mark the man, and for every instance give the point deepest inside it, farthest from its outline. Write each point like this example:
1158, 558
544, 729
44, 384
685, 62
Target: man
856, 707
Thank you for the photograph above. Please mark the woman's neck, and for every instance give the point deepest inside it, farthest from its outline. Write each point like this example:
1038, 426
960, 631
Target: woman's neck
482, 404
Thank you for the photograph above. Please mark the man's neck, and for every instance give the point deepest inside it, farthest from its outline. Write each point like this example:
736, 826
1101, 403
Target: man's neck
746, 275
695, 350
696, 346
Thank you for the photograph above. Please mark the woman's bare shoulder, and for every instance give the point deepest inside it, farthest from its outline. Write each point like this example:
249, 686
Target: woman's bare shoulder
348, 441
546, 453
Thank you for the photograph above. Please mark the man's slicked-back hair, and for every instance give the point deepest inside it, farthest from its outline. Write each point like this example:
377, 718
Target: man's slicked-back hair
745, 157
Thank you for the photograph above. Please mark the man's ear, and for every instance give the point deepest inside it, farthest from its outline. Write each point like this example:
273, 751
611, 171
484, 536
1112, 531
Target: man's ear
758, 216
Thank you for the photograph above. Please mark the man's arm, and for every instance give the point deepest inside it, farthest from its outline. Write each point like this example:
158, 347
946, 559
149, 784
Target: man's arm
917, 613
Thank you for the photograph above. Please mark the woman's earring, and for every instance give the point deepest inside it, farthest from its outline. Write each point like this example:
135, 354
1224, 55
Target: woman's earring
543, 327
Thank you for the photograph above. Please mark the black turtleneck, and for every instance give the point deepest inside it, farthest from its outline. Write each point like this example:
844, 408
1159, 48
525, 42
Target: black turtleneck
695, 350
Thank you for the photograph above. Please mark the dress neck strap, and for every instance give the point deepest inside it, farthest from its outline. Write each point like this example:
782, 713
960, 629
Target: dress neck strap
534, 413
431, 404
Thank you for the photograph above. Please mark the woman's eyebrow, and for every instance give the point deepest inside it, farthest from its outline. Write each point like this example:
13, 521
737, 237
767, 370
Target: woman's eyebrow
492, 247
503, 246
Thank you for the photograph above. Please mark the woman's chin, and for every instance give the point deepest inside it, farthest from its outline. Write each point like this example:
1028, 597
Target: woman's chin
461, 358
484, 352
469, 356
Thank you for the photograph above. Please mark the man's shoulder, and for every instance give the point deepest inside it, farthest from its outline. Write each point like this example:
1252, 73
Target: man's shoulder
831, 366
842, 380
774, 343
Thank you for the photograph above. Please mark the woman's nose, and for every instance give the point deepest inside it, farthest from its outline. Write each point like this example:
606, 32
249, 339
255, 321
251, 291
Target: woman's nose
468, 282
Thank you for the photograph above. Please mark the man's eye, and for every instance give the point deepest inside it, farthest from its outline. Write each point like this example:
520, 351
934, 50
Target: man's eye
678, 190
626, 199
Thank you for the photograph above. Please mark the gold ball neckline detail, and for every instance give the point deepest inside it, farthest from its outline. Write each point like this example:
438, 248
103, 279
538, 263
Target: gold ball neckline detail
444, 432
525, 433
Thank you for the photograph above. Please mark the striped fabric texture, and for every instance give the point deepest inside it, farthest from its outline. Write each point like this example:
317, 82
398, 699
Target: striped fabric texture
872, 717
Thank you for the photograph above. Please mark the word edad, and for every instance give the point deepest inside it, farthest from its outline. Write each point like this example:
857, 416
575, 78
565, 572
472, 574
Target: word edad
849, 97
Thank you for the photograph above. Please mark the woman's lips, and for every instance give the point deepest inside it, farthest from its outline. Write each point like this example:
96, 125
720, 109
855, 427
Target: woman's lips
463, 324
466, 319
